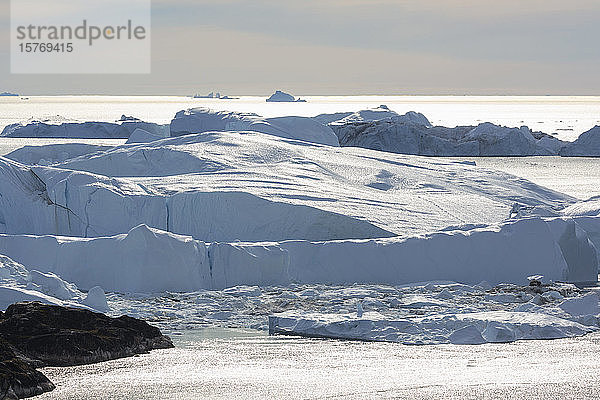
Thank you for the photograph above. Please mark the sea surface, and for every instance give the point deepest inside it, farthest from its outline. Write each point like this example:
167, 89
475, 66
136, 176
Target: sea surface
567, 116
237, 364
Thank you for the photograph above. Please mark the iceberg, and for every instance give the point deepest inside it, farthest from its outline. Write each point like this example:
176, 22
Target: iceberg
150, 260
411, 134
199, 120
377, 114
464, 328
282, 97
20, 284
53, 153
81, 130
586, 145
226, 186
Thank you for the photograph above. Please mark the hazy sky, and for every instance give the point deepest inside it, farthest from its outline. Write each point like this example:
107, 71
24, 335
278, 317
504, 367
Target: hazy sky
352, 47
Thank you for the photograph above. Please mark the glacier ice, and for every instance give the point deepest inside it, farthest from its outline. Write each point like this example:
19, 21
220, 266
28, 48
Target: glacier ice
199, 120
586, 145
74, 130
239, 216
137, 261
224, 186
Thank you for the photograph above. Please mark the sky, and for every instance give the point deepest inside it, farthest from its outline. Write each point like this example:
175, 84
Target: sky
346, 47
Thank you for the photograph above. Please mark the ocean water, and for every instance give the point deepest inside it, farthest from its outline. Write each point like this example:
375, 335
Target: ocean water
567, 116
235, 364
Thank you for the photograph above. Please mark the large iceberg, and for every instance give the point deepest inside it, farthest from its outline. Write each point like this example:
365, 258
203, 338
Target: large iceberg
409, 135
249, 186
83, 130
199, 120
151, 260
252, 215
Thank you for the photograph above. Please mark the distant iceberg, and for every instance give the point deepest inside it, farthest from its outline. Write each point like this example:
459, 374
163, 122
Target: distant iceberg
3, 94
282, 97
213, 95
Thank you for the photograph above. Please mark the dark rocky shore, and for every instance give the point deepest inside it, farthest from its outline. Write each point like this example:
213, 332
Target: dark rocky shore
34, 335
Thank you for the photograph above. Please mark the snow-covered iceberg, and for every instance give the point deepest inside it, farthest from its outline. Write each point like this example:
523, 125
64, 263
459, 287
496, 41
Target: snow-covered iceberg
462, 328
586, 145
142, 136
150, 260
20, 284
248, 186
409, 135
53, 153
81, 130
199, 120
371, 115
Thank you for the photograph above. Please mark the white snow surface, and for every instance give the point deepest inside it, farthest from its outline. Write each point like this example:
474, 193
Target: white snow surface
20, 284
53, 153
142, 136
225, 186
199, 120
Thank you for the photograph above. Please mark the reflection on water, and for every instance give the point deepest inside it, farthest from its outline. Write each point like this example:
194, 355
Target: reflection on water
218, 363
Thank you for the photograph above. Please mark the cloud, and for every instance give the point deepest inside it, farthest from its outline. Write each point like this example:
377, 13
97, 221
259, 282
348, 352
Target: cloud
361, 46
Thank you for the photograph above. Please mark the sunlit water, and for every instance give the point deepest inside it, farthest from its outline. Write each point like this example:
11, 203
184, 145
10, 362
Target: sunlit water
229, 364
567, 116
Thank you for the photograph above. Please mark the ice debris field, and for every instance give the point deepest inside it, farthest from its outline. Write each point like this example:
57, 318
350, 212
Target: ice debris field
232, 219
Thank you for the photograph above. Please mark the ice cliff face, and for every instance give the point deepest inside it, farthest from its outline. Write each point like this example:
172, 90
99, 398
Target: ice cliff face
556, 248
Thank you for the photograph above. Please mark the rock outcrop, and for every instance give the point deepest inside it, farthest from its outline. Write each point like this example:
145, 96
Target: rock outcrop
61, 336
18, 377
35, 335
